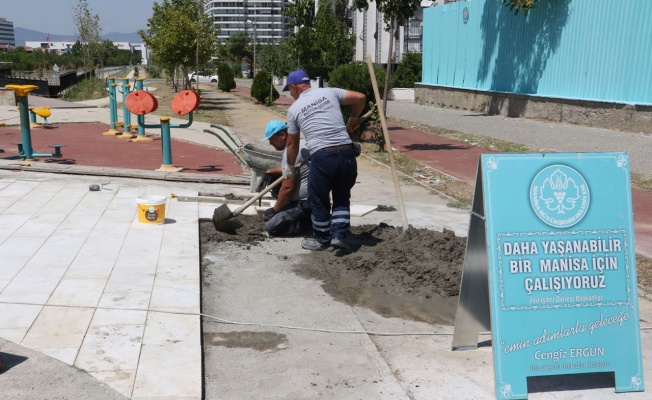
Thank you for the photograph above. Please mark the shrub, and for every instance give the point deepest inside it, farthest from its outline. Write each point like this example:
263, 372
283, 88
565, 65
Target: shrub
152, 72
408, 71
237, 70
225, 81
356, 77
260, 88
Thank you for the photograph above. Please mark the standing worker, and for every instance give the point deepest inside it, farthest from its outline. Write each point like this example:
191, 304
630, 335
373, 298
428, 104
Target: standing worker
333, 168
291, 212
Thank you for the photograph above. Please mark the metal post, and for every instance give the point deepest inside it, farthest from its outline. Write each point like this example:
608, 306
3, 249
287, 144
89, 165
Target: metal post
32, 117
254, 49
25, 132
165, 140
253, 69
126, 89
113, 105
166, 147
126, 114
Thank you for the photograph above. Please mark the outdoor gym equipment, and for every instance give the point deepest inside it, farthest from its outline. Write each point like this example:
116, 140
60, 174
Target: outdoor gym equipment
127, 131
141, 137
43, 112
141, 102
113, 107
25, 149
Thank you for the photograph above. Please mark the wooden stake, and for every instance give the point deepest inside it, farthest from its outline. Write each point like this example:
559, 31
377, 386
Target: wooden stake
390, 154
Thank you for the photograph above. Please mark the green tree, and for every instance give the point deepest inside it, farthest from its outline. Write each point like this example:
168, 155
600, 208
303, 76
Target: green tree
275, 58
180, 36
301, 15
238, 46
322, 41
395, 13
260, 88
225, 81
333, 44
76, 49
88, 30
237, 69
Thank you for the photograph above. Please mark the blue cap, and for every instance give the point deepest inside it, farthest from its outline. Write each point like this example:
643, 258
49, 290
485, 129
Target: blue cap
298, 76
273, 127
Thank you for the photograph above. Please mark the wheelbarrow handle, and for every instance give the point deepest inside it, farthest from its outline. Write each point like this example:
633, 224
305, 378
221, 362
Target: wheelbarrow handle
231, 149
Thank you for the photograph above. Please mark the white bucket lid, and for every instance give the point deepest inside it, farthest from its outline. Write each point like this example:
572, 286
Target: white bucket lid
151, 199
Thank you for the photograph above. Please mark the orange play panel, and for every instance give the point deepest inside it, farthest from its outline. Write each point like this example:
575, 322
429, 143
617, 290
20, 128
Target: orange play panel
141, 102
185, 102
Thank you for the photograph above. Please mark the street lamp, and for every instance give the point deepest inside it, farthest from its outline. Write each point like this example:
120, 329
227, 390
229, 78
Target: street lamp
253, 75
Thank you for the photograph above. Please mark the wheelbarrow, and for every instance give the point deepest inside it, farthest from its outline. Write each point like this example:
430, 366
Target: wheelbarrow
258, 157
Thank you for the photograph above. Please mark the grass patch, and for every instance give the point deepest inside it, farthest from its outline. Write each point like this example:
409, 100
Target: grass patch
88, 89
642, 182
460, 192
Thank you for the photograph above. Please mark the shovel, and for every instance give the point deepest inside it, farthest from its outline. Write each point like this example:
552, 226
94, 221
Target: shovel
223, 217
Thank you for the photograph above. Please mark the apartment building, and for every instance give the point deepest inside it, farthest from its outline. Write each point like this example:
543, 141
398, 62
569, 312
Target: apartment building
7, 32
260, 18
368, 27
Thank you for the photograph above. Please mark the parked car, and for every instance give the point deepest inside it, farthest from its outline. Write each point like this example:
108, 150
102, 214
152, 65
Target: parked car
202, 77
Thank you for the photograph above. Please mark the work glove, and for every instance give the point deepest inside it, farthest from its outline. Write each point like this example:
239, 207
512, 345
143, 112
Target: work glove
353, 124
268, 214
267, 179
289, 171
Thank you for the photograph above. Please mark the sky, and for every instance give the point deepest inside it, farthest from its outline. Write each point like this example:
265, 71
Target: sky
55, 16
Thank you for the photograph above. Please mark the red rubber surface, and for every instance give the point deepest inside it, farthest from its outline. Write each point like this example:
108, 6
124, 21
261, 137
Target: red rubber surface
88, 147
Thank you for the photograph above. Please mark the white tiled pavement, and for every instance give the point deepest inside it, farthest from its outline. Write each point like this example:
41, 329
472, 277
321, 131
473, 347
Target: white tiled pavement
81, 280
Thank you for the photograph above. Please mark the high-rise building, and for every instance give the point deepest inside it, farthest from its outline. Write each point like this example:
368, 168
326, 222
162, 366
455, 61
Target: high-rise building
262, 17
7, 32
368, 26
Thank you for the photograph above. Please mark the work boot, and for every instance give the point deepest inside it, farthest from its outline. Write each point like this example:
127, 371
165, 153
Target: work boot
340, 244
313, 245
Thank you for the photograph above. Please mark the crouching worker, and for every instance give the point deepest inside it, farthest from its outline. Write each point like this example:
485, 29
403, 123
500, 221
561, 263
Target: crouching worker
291, 213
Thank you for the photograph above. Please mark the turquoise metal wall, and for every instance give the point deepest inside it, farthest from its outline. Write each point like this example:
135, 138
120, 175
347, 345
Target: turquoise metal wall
598, 50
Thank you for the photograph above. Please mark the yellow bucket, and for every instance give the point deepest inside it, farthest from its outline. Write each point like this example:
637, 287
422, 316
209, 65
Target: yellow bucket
151, 209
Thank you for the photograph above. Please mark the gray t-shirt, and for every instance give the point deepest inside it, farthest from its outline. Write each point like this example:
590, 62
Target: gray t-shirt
317, 114
301, 190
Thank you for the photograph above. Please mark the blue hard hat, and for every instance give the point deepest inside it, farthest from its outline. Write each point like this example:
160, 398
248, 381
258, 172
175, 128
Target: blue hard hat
273, 127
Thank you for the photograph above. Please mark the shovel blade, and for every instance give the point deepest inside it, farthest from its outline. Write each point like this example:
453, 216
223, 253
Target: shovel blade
224, 220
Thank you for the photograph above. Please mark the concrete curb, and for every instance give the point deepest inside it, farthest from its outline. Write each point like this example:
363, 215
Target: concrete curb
13, 165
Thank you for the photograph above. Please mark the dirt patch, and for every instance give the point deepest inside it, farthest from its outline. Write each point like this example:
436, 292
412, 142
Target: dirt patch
413, 276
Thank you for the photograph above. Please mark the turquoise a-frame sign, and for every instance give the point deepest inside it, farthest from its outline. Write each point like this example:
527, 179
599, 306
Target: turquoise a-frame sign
551, 268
